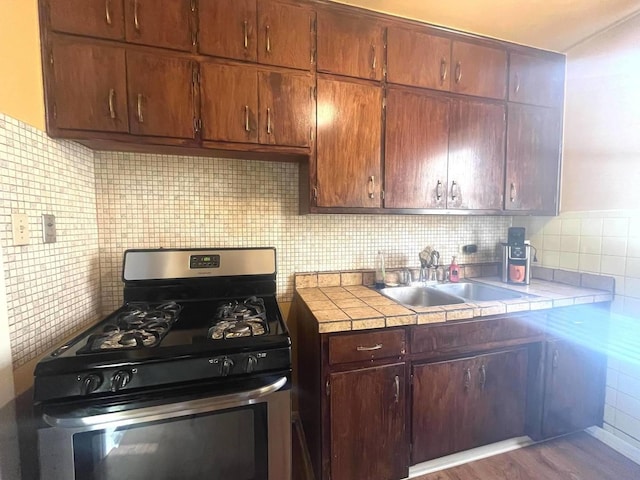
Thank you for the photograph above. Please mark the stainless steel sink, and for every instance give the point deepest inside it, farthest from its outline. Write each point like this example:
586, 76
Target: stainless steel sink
477, 292
419, 296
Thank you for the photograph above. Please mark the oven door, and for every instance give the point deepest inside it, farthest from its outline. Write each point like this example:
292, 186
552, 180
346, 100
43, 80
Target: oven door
242, 436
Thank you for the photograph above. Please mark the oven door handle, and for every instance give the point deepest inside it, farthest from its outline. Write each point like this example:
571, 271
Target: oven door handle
163, 412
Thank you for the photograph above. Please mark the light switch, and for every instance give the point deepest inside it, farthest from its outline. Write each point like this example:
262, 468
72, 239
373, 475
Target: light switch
49, 228
20, 226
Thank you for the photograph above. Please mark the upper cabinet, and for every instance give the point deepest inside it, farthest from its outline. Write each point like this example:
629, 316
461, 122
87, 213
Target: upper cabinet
478, 70
228, 28
350, 45
160, 23
536, 80
94, 18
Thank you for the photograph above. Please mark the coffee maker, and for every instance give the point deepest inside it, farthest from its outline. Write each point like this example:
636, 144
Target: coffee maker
516, 257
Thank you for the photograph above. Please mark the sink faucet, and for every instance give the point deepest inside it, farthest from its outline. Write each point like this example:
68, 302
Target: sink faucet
429, 263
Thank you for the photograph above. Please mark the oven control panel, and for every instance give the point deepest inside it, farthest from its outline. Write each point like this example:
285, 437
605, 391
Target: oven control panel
204, 261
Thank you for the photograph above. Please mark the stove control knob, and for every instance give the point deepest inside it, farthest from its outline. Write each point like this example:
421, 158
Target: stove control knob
119, 380
252, 362
227, 365
91, 383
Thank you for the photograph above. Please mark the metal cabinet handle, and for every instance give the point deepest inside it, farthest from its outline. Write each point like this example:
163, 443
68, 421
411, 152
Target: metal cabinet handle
139, 109
247, 127
269, 121
516, 89
136, 20
372, 186
555, 359
483, 377
439, 190
107, 11
369, 349
443, 70
454, 187
467, 379
268, 45
112, 97
245, 29
512, 192
458, 72
373, 57
396, 395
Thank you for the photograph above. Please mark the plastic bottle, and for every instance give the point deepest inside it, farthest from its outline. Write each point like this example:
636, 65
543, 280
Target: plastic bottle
380, 273
454, 271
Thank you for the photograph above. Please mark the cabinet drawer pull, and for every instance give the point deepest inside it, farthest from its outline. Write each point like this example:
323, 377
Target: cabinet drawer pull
107, 11
136, 20
555, 359
467, 379
268, 121
458, 72
373, 58
112, 110
439, 190
139, 109
268, 43
483, 377
369, 349
245, 29
396, 395
454, 188
516, 88
512, 192
372, 186
443, 70
247, 127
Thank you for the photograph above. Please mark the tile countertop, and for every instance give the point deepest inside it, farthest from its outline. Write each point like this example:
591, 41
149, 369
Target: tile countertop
358, 307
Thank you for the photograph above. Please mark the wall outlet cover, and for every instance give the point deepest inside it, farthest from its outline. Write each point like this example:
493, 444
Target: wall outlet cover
20, 227
48, 228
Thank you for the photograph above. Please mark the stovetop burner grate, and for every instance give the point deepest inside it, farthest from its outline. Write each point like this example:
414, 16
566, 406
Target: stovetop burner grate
240, 319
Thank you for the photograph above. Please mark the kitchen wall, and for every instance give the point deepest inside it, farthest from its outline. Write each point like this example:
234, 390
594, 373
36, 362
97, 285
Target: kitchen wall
51, 289
150, 201
599, 228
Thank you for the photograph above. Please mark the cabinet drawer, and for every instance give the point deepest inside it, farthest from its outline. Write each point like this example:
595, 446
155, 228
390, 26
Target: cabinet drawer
474, 335
366, 346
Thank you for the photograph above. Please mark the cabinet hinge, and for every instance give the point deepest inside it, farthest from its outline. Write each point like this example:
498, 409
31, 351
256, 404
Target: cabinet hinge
311, 134
55, 111
328, 388
195, 76
51, 57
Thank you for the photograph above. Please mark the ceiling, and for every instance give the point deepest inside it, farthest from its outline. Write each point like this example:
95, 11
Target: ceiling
549, 24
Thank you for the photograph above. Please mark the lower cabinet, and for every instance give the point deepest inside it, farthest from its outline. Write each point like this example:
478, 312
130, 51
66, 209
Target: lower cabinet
367, 425
464, 403
572, 372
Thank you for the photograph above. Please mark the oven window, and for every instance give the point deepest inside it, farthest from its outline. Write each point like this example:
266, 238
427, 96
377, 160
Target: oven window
224, 445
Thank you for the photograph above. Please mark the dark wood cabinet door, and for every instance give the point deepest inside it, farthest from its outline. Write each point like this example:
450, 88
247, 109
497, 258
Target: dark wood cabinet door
350, 45
349, 144
227, 28
500, 380
285, 116
159, 23
478, 70
94, 18
533, 159
367, 410
88, 85
418, 59
443, 394
574, 388
229, 102
476, 155
416, 150
284, 34
161, 96
536, 80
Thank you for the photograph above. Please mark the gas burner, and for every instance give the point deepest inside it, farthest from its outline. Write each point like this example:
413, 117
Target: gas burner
235, 320
139, 325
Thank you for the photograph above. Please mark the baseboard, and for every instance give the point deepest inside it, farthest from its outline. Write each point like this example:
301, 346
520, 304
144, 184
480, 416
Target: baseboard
468, 456
298, 435
617, 443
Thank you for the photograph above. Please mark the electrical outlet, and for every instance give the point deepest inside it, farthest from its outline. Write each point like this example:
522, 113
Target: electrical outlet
48, 228
20, 226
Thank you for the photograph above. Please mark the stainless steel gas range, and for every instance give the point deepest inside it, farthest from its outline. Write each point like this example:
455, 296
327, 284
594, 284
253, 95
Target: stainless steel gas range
189, 379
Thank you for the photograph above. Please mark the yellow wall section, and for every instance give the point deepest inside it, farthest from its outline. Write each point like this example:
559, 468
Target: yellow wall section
21, 92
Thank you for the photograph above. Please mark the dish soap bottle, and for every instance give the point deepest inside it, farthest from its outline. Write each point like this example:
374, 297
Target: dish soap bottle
454, 271
380, 273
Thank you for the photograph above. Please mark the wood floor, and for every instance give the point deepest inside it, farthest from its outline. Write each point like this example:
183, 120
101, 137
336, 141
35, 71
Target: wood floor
574, 457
